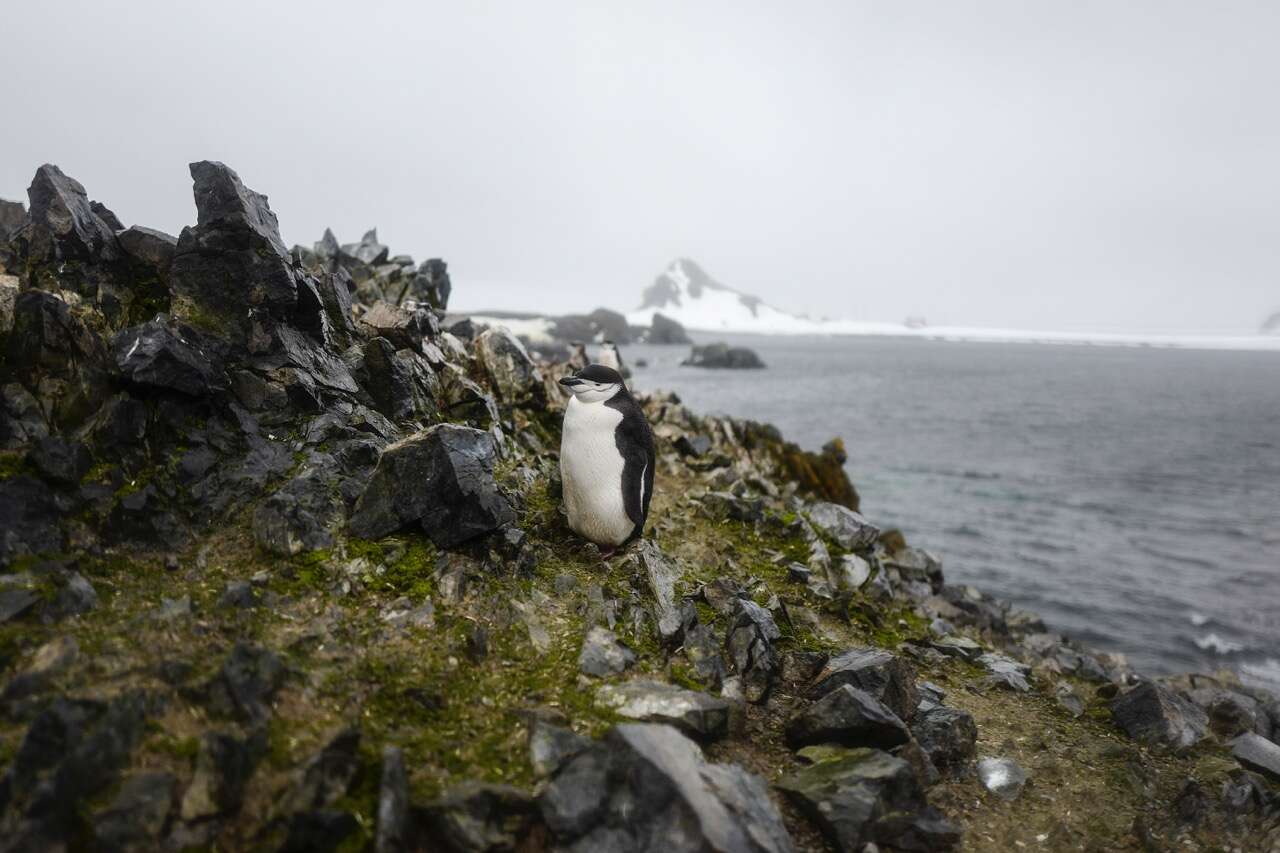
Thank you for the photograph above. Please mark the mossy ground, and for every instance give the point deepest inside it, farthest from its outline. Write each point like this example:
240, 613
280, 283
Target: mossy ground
461, 714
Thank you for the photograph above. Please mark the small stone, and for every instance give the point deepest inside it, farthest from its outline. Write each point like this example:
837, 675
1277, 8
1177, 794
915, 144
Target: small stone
393, 804
1154, 714
1067, 697
959, 647
602, 654
883, 674
1006, 672
947, 735
239, 595
550, 746
1002, 777
845, 527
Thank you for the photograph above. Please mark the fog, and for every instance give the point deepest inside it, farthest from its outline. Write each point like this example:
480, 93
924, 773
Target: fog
1070, 166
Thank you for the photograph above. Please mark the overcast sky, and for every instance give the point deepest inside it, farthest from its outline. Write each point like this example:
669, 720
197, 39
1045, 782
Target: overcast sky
1065, 165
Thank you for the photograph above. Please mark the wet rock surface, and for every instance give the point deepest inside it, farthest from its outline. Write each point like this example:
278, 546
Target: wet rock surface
847, 716
697, 714
880, 673
1154, 714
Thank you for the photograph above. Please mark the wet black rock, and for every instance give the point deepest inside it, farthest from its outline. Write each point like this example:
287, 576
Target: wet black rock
13, 215
150, 247
850, 717
368, 252
1156, 715
63, 225
647, 787
664, 330
722, 355
947, 735
137, 818
157, 354
46, 336
698, 715
298, 516
31, 511
693, 445
475, 817
231, 272
512, 374
862, 796
441, 478
883, 674
61, 460
749, 643
400, 383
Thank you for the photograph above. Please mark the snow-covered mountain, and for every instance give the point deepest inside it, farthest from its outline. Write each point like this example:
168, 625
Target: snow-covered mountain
685, 293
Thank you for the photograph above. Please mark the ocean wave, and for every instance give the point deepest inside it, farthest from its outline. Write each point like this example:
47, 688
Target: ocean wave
1218, 645
1197, 619
1264, 673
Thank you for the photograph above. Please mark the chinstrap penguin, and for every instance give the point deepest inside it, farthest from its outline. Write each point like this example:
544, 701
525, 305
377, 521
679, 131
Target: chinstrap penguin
606, 458
610, 356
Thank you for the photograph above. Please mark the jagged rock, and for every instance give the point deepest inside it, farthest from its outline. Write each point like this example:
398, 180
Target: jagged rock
1002, 777
298, 516
368, 252
1231, 714
664, 330
513, 375
847, 716
474, 817
749, 643
1154, 714
135, 820
1006, 672
441, 478
648, 787
231, 273
327, 775
61, 461
47, 336
722, 595
72, 751
13, 215
693, 445
550, 746
393, 796
223, 767
31, 511
721, 355
107, 215
698, 715
1257, 753
405, 329
62, 226
431, 284
239, 595
400, 383
865, 796
702, 648
947, 735
603, 655
956, 646
845, 527
719, 506
883, 674
916, 565
156, 354
47, 663
659, 573
245, 685
148, 246
8, 298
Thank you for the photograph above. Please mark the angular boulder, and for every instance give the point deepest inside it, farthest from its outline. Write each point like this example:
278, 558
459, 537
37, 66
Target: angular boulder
883, 674
1258, 754
947, 735
150, 247
603, 655
749, 643
850, 717
475, 816
63, 223
659, 573
440, 478
698, 715
157, 354
664, 330
513, 375
864, 796
648, 787
842, 525
1156, 715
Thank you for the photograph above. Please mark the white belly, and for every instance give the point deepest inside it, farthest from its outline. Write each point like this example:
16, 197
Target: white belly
591, 472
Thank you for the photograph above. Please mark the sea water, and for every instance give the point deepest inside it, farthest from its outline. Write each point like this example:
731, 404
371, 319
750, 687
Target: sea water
1130, 496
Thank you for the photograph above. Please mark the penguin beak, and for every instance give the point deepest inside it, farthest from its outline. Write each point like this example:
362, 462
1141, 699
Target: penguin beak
570, 381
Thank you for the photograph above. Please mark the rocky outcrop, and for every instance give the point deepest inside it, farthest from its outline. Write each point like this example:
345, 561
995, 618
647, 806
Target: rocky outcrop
665, 331
721, 355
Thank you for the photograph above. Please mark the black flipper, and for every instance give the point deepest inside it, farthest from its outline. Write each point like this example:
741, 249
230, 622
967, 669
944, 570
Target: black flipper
635, 443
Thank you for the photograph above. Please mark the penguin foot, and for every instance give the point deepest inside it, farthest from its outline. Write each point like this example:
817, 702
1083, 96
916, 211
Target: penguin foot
606, 553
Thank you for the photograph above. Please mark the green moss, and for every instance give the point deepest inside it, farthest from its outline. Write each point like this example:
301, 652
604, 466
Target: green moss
12, 463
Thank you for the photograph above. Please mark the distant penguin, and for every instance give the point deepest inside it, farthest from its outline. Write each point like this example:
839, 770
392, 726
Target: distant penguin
610, 357
606, 458
578, 357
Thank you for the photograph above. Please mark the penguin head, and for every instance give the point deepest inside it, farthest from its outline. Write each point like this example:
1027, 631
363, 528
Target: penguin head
594, 383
